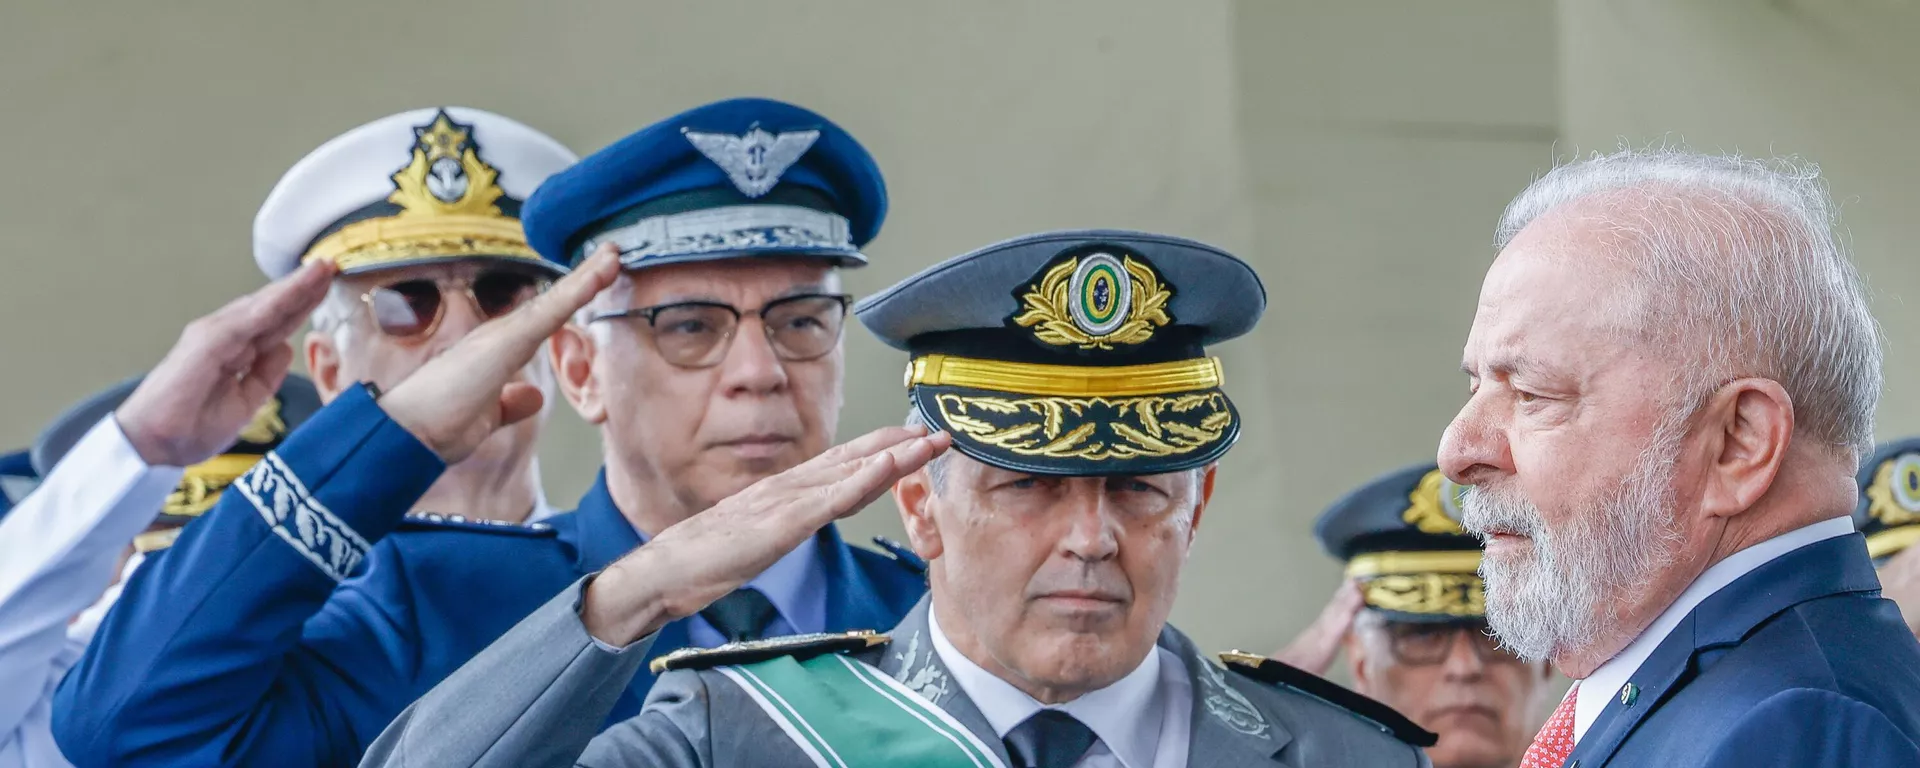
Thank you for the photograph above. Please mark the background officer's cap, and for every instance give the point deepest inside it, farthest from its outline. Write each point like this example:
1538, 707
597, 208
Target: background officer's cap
743, 177
1400, 535
1074, 353
418, 187
200, 487
1889, 509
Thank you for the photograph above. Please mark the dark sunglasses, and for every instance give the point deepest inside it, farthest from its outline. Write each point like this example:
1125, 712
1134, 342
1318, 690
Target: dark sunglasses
697, 334
413, 308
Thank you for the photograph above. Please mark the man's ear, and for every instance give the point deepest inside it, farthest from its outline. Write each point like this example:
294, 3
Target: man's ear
1356, 661
573, 354
914, 495
1749, 426
1207, 477
323, 365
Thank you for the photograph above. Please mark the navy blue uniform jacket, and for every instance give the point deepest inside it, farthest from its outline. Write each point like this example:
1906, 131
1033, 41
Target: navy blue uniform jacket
1799, 663
294, 620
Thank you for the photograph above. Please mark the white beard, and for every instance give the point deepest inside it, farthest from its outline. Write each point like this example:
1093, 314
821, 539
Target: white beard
1560, 596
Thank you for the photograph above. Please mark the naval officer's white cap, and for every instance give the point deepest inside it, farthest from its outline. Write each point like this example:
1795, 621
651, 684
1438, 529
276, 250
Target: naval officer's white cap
434, 184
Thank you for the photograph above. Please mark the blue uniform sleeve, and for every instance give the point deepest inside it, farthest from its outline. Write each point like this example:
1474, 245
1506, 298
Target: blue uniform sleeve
1804, 727
238, 645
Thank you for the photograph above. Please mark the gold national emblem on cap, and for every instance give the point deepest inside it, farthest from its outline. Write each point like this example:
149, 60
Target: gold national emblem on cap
449, 207
1893, 503
1094, 302
1434, 505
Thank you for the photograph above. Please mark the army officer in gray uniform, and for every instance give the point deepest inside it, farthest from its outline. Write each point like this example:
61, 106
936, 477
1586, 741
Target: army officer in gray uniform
1069, 372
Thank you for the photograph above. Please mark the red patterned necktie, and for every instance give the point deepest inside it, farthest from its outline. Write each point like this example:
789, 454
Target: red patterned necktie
1555, 741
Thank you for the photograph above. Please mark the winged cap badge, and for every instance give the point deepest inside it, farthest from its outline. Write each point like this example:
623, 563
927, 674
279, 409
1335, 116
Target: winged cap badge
754, 160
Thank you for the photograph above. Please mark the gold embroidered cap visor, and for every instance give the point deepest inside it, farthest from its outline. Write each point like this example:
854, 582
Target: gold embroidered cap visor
1097, 421
1401, 537
1422, 586
1078, 353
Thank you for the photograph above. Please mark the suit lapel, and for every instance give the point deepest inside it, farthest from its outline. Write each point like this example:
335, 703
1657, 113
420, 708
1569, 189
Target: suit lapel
1834, 566
1227, 729
910, 658
1657, 678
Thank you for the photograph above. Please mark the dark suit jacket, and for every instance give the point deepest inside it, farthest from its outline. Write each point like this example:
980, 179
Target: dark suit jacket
1798, 663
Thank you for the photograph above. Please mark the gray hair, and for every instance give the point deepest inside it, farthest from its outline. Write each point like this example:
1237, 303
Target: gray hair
1739, 257
938, 468
335, 314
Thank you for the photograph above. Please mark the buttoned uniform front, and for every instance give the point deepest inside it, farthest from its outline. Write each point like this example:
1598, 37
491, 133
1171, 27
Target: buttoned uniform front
294, 621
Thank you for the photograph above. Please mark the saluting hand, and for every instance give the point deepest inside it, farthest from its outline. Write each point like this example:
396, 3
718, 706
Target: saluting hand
1318, 644
701, 559
224, 367
454, 402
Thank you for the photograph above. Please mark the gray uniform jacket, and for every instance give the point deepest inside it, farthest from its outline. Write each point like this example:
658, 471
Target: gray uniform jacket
540, 694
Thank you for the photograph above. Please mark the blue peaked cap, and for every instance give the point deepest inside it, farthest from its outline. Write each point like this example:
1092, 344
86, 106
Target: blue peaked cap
741, 177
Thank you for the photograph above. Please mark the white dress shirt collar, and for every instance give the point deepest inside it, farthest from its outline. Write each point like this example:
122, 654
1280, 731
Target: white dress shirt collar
1127, 716
1606, 681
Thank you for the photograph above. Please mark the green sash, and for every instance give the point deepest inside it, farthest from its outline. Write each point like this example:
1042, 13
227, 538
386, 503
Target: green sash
845, 714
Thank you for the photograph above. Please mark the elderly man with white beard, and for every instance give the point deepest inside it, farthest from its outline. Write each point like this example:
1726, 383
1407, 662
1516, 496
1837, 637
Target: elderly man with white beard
1673, 376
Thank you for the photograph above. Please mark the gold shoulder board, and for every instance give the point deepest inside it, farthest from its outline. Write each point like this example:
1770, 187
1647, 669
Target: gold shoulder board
797, 646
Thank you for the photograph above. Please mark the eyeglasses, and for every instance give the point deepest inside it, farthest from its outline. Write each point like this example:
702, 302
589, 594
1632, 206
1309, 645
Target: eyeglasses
697, 334
411, 309
1419, 645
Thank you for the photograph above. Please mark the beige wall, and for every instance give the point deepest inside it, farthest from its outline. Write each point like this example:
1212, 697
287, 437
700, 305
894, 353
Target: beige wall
1383, 138
1836, 83
1356, 153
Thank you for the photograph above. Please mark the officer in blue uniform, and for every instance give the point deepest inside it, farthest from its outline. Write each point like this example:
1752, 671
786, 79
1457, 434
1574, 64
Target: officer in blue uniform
291, 623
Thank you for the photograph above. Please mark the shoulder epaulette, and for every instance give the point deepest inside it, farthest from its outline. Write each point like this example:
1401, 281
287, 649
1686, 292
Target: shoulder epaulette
1284, 675
798, 646
417, 521
902, 554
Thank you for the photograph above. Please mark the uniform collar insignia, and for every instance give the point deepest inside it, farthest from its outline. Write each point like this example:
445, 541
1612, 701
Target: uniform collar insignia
754, 160
1434, 505
919, 671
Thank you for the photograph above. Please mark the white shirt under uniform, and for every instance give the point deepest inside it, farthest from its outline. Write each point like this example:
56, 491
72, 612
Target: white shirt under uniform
1142, 720
58, 548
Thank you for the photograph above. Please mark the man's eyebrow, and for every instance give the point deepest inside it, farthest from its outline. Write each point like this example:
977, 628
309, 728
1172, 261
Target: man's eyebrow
1503, 366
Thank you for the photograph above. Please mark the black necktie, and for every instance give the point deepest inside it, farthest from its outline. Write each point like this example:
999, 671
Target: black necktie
1049, 739
742, 615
